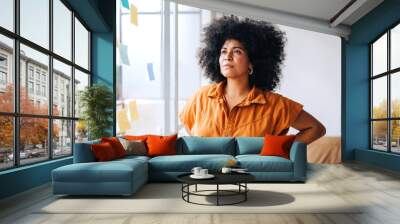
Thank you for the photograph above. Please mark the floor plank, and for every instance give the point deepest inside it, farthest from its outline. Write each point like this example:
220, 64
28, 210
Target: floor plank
375, 189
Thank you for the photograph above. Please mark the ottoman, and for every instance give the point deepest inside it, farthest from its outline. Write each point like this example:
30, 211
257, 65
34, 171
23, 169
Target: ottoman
119, 177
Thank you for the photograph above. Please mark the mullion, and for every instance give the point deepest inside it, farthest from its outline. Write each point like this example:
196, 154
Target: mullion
73, 81
84, 70
386, 73
371, 67
385, 119
89, 61
389, 99
16, 83
114, 81
389, 112
36, 115
41, 49
50, 87
7, 33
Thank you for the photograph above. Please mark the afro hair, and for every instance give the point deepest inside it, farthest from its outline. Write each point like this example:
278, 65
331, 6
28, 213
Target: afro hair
263, 42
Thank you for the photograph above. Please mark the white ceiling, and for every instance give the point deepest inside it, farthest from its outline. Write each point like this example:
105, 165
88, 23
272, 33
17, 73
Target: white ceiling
320, 9
316, 15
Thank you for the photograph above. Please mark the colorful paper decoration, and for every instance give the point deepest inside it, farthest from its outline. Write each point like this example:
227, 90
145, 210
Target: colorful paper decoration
134, 15
123, 122
133, 110
125, 3
123, 50
150, 71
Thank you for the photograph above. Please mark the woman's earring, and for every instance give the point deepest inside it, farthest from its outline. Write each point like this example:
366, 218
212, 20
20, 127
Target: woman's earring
250, 70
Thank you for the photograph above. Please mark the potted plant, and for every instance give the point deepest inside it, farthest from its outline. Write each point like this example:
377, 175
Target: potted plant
96, 103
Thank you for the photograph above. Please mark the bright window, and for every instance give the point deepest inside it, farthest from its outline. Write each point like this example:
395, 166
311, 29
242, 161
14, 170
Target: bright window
45, 131
385, 92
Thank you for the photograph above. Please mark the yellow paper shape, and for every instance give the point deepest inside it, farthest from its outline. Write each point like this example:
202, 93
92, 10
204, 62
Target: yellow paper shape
133, 110
134, 15
123, 122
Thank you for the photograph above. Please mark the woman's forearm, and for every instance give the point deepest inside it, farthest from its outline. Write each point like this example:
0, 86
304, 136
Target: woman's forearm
310, 134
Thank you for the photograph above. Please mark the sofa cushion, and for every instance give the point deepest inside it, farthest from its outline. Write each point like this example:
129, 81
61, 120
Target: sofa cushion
132, 158
111, 171
249, 145
277, 145
135, 137
116, 145
134, 147
161, 145
190, 145
257, 163
83, 152
103, 152
185, 163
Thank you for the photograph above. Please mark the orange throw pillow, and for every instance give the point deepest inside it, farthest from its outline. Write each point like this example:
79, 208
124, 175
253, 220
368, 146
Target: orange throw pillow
136, 138
277, 145
103, 152
116, 145
161, 145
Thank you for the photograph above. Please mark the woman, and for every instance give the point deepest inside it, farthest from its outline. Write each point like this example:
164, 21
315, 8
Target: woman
243, 58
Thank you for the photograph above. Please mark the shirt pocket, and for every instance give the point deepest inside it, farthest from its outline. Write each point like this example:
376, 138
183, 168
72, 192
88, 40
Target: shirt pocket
257, 127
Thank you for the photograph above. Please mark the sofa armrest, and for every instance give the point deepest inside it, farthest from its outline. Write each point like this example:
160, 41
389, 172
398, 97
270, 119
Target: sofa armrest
83, 152
298, 155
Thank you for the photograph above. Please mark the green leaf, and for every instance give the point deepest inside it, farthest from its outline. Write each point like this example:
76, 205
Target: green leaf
96, 102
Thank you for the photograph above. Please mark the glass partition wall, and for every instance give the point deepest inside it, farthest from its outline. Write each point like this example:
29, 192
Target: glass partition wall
152, 84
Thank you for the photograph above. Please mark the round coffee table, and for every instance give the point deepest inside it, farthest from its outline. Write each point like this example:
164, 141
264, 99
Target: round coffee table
238, 179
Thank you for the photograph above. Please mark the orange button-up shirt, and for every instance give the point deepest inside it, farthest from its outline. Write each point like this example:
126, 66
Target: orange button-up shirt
261, 112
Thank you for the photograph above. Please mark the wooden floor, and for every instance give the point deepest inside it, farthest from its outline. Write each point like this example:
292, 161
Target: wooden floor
378, 189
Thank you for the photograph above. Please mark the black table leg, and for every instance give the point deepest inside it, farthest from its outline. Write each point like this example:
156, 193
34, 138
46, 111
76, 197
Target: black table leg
217, 194
188, 189
185, 188
245, 193
182, 190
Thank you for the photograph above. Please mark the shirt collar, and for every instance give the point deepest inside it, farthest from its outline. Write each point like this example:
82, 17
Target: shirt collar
255, 95
217, 90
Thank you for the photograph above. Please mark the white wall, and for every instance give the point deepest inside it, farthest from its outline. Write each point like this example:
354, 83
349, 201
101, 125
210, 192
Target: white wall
312, 75
311, 72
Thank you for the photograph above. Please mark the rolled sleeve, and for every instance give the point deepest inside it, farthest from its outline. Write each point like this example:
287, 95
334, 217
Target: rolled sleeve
294, 110
289, 110
188, 114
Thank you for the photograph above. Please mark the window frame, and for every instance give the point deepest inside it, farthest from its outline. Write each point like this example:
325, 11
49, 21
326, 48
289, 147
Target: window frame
16, 115
3, 77
388, 74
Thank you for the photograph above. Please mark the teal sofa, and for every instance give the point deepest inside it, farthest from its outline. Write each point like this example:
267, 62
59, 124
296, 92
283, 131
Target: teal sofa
125, 176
